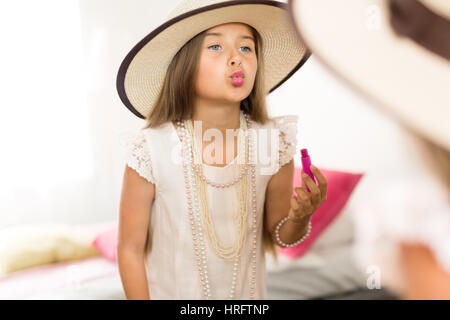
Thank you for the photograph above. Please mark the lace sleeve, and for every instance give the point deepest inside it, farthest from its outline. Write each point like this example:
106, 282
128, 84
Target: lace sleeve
287, 137
138, 156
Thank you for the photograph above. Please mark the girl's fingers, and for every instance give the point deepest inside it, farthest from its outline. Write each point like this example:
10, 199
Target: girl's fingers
304, 198
323, 184
303, 180
302, 194
315, 191
294, 203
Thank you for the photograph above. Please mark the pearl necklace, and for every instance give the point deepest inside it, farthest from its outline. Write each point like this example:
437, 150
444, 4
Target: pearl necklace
194, 216
244, 171
227, 253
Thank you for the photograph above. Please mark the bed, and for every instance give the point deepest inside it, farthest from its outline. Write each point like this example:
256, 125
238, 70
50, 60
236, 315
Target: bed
96, 278
326, 271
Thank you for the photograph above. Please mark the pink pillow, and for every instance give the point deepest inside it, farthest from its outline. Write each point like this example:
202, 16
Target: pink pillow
106, 243
340, 187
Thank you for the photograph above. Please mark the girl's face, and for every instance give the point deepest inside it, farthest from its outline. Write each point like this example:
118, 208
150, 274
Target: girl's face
225, 49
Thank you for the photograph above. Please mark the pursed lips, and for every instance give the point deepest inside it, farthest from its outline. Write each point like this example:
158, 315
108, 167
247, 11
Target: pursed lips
238, 73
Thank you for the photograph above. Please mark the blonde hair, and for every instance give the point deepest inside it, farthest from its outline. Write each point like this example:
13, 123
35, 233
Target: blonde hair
176, 97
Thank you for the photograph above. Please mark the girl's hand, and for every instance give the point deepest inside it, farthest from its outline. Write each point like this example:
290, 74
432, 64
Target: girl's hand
308, 202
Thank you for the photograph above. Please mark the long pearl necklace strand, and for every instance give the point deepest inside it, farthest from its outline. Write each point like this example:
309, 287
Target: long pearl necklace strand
194, 215
227, 253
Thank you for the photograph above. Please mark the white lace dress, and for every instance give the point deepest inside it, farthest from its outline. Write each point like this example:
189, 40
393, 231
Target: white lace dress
411, 207
155, 153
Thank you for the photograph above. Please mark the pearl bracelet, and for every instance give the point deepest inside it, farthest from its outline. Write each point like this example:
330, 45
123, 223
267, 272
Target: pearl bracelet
285, 245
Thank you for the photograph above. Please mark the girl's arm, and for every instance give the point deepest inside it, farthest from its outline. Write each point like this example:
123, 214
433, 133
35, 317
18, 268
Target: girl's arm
135, 211
281, 202
424, 278
277, 205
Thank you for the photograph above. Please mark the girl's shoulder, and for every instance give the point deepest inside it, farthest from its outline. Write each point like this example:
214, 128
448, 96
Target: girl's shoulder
285, 122
287, 128
139, 147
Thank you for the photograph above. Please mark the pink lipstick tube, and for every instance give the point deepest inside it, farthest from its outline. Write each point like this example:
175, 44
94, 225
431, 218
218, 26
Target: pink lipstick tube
306, 162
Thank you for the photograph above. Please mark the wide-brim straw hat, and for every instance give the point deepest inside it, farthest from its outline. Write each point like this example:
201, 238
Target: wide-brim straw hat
396, 52
141, 73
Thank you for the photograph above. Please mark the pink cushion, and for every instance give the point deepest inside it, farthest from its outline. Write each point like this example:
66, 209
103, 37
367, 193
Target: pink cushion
340, 187
106, 243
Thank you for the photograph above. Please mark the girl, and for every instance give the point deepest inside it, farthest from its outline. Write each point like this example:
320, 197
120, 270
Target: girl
196, 219
403, 230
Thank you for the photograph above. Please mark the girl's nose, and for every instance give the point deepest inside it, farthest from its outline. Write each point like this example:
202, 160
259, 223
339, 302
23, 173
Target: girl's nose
235, 60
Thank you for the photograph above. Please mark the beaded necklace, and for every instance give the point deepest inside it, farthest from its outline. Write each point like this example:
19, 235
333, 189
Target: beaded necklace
227, 253
195, 183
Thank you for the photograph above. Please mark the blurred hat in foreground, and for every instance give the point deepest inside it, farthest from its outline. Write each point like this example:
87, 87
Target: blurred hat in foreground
397, 52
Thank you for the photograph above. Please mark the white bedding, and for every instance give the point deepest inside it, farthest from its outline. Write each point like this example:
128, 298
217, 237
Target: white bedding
323, 274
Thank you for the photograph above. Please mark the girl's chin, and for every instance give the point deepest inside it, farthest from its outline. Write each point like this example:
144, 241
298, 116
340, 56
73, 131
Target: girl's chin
239, 91
237, 97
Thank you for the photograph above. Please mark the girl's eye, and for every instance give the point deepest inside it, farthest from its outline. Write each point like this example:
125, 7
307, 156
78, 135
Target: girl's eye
215, 45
